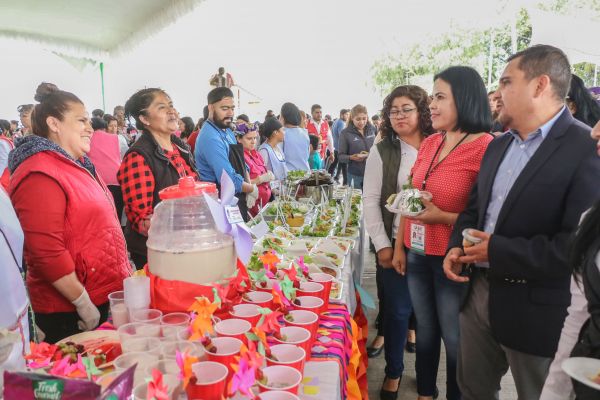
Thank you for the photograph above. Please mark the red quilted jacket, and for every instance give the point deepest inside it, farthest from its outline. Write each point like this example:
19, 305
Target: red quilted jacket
92, 233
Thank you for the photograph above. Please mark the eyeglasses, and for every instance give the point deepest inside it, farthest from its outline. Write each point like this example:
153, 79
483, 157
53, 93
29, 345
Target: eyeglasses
400, 113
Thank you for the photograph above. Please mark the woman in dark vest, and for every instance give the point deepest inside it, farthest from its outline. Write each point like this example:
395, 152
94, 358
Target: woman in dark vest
406, 121
155, 161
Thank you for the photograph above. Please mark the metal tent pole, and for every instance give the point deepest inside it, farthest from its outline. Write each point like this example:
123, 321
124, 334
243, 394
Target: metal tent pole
102, 82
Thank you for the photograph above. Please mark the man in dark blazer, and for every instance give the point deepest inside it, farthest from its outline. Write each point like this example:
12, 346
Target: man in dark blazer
534, 183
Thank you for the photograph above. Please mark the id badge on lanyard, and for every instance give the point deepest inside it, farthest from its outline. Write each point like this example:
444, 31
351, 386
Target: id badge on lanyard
417, 237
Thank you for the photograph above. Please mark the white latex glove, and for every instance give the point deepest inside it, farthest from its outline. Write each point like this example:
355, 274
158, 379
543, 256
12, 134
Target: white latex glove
271, 176
251, 199
89, 314
262, 179
254, 192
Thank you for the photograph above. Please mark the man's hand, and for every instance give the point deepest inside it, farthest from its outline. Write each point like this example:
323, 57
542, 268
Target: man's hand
478, 252
453, 266
385, 257
331, 157
399, 260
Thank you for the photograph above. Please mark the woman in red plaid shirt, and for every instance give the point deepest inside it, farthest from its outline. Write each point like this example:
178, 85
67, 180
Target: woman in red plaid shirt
155, 161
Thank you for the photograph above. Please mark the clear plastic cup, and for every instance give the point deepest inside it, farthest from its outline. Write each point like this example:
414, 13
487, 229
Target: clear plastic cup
118, 309
173, 323
172, 382
142, 344
167, 366
169, 349
143, 360
134, 330
148, 316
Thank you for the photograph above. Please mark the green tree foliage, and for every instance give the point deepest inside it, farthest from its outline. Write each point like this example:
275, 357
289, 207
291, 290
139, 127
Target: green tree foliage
469, 47
460, 47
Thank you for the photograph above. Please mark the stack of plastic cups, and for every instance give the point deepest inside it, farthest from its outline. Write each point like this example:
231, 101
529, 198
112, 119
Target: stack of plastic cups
137, 293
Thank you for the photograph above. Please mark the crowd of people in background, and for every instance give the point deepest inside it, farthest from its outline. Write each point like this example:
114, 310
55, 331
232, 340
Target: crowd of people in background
515, 168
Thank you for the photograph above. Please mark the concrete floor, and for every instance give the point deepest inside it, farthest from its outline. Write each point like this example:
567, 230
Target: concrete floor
408, 388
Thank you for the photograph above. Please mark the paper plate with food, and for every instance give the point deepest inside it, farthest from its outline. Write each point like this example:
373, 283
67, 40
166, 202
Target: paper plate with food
335, 272
342, 246
584, 370
345, 244
329, 246
336, 259
349, 232
409, 202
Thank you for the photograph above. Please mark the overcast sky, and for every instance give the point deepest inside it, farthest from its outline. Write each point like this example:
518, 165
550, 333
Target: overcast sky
311, 51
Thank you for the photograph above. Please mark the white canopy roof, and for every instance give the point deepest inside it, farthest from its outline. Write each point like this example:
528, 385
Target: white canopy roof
89, 28
577, 36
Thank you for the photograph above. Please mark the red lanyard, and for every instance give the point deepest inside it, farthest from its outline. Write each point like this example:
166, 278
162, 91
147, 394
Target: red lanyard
433, 167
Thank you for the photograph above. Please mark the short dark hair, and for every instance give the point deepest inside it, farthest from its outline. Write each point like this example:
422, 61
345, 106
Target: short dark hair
4, 126
53, 102
470, 98
218, 94
98, 113
243, 117
314, 140
205, 112
344, 111
108, 118
314, 107
375, 117
98, 124
139, 102
290, 114
23, 108
419, 96
270, 126
543, 59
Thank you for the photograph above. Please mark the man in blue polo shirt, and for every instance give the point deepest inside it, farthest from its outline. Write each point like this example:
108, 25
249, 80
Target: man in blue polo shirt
217, 150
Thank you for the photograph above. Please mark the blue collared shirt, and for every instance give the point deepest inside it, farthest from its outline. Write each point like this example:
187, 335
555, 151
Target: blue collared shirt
336, 129
516, 158
212, 155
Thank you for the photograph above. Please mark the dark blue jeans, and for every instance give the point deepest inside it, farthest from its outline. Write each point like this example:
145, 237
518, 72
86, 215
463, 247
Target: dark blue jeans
436, 301
397, 313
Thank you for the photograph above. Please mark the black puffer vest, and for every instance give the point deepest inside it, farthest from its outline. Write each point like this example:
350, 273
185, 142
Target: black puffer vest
165, 175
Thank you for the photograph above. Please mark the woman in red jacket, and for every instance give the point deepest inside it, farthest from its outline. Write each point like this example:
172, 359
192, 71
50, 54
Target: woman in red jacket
74, 246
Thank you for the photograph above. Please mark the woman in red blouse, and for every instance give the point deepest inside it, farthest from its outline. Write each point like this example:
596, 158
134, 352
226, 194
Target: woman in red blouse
155, 161
247, 135
447, 166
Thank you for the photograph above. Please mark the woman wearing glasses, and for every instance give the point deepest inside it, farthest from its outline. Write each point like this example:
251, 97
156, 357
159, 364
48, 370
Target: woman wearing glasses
355, 142
406, 122
447, 166
155, 161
